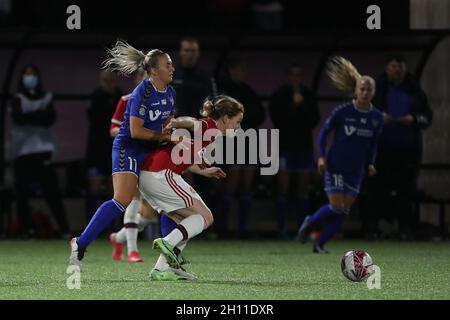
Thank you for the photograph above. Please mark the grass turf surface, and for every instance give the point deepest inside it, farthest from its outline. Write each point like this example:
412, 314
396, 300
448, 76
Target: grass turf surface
227, 270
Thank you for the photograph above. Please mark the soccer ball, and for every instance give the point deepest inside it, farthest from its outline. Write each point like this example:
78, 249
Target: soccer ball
356, 265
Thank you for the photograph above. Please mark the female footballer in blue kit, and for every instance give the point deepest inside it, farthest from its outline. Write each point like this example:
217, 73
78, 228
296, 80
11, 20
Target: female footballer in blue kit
357, 126
150, 105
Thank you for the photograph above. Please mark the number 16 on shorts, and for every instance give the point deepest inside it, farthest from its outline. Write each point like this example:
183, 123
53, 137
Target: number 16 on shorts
334, 182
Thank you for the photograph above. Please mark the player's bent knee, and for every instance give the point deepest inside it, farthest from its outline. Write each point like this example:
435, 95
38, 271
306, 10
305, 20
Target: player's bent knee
209, 219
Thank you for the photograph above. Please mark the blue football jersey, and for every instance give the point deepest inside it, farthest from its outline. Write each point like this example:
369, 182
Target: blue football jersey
150, 105
356, 134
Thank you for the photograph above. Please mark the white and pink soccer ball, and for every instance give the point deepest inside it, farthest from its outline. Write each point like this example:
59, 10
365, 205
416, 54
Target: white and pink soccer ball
356, 265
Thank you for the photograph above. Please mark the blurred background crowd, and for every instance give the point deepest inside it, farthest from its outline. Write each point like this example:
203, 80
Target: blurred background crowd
57, 104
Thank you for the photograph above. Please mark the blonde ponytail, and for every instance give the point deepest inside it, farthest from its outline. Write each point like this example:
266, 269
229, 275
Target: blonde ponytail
343, 74
123, 58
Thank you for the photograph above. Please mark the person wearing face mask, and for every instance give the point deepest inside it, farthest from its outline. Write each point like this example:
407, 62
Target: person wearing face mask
33, 146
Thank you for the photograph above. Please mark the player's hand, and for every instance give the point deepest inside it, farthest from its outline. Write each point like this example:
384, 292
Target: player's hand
372, 170
321, 165
406, 120
214, 172
169, 124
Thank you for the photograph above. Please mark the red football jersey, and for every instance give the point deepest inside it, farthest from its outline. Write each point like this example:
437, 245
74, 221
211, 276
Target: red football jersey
160, 159
116, 120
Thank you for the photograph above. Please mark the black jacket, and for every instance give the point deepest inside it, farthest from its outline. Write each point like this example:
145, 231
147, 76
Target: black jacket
420, 110
254, 113
100, 112
295, 122
192, 87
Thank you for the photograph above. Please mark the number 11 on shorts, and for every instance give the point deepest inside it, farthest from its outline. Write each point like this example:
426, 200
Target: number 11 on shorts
133, 161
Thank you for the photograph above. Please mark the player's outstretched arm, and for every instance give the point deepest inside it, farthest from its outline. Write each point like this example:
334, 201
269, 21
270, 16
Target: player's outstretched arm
212, 172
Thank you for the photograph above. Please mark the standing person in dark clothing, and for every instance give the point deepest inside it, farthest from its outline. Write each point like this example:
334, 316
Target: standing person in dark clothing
293, 109
192, 84
406, 113
98, 154
33, 144
235, 85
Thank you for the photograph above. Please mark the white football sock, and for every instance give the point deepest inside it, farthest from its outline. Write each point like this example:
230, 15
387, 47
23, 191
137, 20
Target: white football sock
130, 220
193, 225
132, 234
121, 236
182, 245
162, 264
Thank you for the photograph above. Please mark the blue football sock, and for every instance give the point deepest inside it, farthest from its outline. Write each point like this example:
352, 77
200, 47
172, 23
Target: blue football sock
332, 225
106, 213
281, 203
324, 212
167, 225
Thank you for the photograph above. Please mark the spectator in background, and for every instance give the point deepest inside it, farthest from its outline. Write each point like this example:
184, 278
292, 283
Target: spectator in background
234, 84
406, 113
33, 146
98, 153
293, 109
191, 83
193, 86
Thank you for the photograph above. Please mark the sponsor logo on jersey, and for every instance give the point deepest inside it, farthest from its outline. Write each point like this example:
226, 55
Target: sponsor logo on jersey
155, 104
154, 115
350, 119
349, 130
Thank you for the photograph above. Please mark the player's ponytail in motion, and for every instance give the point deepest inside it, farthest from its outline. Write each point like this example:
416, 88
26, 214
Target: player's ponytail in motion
220, 106
126, 59
343, 74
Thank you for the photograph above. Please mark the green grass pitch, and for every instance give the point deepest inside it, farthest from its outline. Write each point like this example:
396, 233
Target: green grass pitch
228, 270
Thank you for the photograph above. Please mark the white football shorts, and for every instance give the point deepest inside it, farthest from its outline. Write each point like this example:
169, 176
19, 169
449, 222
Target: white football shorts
166, 190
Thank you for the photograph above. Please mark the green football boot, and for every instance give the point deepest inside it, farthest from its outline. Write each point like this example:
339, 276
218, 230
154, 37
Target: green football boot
162, 246
166, 275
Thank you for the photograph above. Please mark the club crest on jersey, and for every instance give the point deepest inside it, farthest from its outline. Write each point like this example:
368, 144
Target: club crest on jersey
142, 110
154, 115
163, 102
363, 120
349, 130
